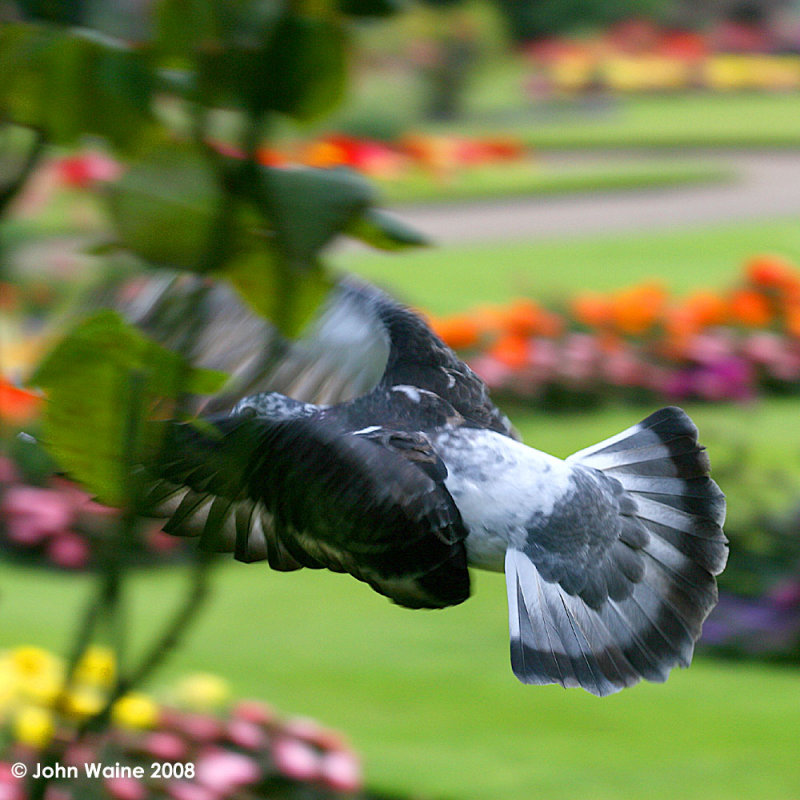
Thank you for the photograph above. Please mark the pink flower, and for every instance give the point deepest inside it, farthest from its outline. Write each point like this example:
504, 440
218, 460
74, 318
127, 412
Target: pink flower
34, 514
296, 759
126, 788
186, 790
198, 727
84, 169
254, 711
69, 550
165, 746
223, 770
341, 771
11, 788
246, 735
311, 731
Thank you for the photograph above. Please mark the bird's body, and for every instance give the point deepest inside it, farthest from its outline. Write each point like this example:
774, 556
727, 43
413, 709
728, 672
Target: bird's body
610, 556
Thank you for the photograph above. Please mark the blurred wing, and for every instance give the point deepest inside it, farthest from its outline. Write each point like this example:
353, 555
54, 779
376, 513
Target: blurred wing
361, 338
300, 494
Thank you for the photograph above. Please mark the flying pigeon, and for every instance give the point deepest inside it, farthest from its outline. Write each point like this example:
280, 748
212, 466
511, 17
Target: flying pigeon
610, 556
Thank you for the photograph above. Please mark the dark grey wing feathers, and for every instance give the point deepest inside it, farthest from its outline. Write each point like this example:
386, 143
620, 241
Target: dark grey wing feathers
303, 493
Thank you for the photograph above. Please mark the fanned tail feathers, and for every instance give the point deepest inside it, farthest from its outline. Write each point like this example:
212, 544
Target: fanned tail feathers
670, 536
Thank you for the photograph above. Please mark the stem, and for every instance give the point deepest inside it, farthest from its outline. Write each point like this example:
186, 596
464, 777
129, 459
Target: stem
170, 637
31, 160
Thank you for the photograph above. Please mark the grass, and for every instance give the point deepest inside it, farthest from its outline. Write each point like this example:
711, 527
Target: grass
454, 278
691, 119
527, 179
430, 701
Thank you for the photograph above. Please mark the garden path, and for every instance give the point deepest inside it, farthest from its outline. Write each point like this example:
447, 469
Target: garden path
768, 185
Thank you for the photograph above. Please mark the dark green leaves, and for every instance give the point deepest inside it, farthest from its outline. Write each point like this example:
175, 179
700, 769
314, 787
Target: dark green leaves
69, 83
256, 57
385, 232
164, 207
308, 207
103, 380
302, 71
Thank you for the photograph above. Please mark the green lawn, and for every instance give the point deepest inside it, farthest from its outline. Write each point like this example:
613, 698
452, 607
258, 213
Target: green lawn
530, 178
429, 697
656, 121
453, 278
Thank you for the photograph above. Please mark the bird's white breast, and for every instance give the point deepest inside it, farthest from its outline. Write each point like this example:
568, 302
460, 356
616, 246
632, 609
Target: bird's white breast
501, 487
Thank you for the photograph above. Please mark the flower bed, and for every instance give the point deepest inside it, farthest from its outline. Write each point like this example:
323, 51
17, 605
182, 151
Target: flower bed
641, 343
49, 521
206, 746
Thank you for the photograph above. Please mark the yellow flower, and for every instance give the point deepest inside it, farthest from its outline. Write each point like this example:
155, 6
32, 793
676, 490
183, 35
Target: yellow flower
202, 691
39, 675
33, 726
135, 710
96, 667
84, 701
8, 684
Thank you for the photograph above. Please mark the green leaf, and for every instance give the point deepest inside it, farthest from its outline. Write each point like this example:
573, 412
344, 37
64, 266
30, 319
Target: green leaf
304, 71
103, 376
74, 82
385, 232
308, 207
286, 298
164, 207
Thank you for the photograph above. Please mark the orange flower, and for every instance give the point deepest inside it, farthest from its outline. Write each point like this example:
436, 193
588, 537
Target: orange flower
751, 308
523, 317
324, 154
511, 350
270, 157
490, 319
774, 272
792, 321
705, 308
17, 404
592, 309
635, 310
459, 331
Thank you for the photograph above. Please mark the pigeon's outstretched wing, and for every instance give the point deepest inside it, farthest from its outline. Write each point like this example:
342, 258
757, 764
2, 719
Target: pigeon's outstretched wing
302, 493
615, 584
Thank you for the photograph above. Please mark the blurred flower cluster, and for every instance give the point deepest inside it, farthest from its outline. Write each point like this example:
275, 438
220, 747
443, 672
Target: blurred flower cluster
763, 627
641, 343
437, 156
209, 747
640, 56
54, 523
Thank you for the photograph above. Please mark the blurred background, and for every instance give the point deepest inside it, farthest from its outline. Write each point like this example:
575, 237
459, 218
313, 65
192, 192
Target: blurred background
612, 194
